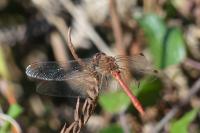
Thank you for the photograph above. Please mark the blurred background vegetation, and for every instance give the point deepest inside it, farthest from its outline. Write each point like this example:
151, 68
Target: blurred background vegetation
166, 31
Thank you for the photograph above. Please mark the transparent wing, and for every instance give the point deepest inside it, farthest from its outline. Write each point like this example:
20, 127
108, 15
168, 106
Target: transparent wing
62, 79
138, 64
139, 67
73, 87
56, 71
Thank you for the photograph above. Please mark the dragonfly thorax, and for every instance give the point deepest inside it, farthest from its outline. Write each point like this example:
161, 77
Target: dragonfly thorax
104, 64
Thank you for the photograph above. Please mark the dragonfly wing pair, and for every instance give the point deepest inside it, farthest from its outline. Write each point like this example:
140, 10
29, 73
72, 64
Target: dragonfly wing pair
70, 79
61, 79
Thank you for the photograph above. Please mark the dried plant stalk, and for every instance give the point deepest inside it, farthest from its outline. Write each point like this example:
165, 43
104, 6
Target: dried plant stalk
71, 47
82, 113
81, 116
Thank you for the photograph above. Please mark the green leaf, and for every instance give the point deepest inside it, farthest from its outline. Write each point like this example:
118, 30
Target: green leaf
114, 102
154, 29
175, 49
114, 128
15, 110
181, 125
166, 44
147, 93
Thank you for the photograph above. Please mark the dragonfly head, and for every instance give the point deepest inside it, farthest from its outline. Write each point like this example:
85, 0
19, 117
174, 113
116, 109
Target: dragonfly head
105, 64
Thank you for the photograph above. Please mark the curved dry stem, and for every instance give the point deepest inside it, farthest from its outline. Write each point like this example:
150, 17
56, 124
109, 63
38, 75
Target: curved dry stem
81, 115
11, 121
71, 47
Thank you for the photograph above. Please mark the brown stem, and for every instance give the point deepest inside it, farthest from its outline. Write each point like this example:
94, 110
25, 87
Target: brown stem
80, 116
117, 31
71, 47
116, 26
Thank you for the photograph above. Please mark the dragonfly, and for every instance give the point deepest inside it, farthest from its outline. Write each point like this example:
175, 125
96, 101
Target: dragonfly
83, 75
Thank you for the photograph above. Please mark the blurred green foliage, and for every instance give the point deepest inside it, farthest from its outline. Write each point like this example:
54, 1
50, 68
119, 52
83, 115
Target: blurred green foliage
166, 44
149, 91
3, 66
114, 128
15, 110
182, 125
167, 47
114, 102
118, 101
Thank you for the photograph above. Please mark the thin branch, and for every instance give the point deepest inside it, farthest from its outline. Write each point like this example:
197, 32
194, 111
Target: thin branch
49, 11
192, 91
58, 48
59, 23
81, 116
117, 30
116, 26
123, 122
81, 19
64, 128
71, 47
82, 113
12, 121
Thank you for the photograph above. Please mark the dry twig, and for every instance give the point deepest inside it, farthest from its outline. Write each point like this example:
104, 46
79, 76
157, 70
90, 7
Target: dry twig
81, 116
15, 125
117, 31
71, 47
58, 47
81, 18
116, 26
82, 113
193, 90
